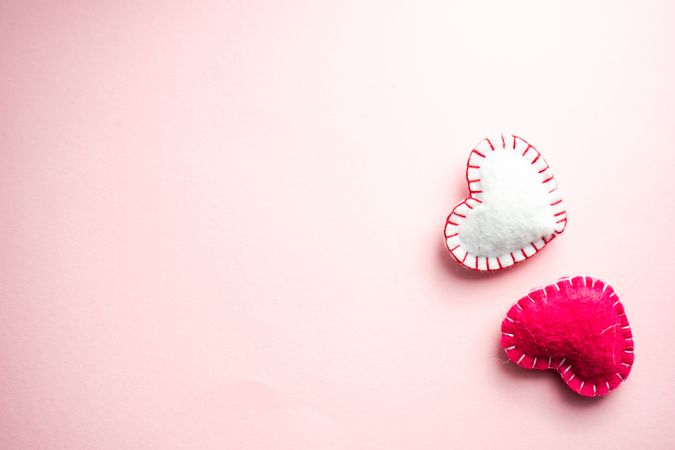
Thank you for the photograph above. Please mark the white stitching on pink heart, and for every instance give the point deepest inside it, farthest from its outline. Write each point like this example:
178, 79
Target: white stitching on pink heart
512, 351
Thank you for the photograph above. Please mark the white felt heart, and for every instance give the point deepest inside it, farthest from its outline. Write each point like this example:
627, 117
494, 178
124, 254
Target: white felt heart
513, 210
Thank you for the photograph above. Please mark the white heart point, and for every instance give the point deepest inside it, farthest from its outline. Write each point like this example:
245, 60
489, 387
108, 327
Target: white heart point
513, 210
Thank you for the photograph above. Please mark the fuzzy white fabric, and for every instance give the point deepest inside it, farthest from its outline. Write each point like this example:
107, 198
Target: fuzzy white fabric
515, 210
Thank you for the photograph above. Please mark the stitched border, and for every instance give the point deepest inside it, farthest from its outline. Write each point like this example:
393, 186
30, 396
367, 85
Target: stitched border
460, 212
566, 371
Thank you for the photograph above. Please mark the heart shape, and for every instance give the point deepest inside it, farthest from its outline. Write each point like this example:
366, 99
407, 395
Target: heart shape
514, 208
576, 326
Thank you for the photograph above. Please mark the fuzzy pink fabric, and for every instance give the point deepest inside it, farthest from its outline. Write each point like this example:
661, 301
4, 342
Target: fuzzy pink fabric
576, 326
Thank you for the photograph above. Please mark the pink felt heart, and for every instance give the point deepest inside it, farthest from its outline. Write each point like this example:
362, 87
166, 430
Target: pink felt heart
576, 326
514, 208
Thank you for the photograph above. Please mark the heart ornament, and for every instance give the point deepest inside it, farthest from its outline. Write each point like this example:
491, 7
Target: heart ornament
514, 208
577, 327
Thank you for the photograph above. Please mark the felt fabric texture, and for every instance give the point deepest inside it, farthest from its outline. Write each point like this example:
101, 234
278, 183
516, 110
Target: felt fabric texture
576, 326
514, 207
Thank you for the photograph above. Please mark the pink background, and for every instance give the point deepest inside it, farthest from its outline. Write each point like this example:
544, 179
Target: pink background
222, 221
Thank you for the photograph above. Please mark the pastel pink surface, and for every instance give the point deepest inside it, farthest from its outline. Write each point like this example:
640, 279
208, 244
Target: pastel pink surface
220, 220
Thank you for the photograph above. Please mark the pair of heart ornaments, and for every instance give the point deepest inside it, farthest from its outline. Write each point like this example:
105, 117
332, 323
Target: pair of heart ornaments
576, 326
